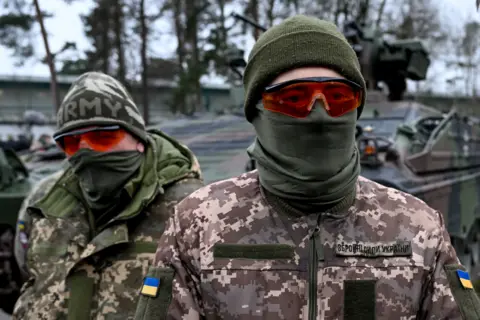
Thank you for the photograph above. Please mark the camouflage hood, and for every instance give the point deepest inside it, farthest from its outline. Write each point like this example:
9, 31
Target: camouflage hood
174, 160
166, 161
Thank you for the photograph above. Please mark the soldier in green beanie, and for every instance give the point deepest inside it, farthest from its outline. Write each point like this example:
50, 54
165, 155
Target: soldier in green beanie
304, 236
93, 227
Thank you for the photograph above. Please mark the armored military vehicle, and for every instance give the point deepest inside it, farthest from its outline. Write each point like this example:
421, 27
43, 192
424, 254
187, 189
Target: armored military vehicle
18, 175
415, 148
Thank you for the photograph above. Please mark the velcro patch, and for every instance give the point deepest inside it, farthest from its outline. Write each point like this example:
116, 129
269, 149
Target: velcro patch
253, 251
155, 307
359, 300
150, 286
461, 288
464, 278
373, 249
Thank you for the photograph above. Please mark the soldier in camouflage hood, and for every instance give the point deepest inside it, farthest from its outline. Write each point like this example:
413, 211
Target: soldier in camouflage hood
95, 231
305, 237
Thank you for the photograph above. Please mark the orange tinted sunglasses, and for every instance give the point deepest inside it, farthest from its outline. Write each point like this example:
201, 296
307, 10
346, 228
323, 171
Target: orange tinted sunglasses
295, 98
99, 139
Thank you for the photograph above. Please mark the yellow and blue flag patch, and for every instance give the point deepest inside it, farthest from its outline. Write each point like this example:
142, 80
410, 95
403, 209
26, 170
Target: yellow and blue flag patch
150, 286
21, 225
464, 278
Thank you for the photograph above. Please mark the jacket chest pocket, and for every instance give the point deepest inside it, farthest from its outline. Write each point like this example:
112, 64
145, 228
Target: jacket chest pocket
241, 281
54, 243
379, 288
121, 277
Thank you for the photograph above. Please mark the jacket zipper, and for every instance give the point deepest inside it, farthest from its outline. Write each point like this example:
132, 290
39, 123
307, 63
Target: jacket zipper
315, 254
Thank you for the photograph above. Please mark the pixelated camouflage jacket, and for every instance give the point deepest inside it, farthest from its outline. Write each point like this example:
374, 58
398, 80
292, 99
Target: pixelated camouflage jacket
228, 253
80, 273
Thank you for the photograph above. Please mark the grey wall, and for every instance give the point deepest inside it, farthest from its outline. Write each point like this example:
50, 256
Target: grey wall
16, 98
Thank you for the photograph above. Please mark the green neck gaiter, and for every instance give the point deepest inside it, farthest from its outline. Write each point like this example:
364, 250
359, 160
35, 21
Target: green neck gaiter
102, 175
311, 163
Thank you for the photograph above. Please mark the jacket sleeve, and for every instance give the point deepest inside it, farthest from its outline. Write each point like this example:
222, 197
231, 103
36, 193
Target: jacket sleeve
22, 234
176, 266
449, 295
24, 222
27, 293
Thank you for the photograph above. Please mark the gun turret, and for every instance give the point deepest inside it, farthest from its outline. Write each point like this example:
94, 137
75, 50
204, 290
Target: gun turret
237, 64
235, 56
381, 61
389, 62
249, 21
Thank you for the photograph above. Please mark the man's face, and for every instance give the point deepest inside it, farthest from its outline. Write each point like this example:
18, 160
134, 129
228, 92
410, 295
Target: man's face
101, 139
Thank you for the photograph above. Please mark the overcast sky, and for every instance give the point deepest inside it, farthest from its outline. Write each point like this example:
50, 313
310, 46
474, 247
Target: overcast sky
67, 26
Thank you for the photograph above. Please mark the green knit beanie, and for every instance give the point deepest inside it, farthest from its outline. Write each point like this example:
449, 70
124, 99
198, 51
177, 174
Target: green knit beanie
97, 99
299, 41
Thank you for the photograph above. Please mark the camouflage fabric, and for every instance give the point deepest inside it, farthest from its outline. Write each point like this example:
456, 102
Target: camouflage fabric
232, 254
24, 220
80, 273
10, 279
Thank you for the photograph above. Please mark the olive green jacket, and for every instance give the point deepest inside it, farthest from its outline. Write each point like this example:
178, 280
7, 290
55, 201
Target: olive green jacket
78, 273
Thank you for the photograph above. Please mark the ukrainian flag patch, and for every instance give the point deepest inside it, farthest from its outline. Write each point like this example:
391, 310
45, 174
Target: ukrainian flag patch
150, 286
464, 278
21, 225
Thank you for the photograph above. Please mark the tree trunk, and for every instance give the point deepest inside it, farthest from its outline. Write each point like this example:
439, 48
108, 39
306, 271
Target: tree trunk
474, 81
362, 14
192, 9
270, 16
106, 43
143, 53
346, 11
223, 28
179, 98
381, 9
255, 17
118, 26
50, 62
338, 11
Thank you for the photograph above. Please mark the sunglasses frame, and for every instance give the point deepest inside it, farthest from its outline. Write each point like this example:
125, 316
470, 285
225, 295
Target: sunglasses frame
281, 85
85, 130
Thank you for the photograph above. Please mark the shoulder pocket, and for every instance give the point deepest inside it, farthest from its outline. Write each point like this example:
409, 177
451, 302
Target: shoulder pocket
155, 294
463, 291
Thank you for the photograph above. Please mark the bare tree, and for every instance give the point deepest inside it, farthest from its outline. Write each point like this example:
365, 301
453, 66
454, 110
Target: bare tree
381, 10
50, 62
118, 23
143, 54
470, 44
252, 10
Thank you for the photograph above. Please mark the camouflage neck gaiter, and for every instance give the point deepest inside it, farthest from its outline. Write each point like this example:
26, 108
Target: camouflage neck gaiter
309, 163
102, 175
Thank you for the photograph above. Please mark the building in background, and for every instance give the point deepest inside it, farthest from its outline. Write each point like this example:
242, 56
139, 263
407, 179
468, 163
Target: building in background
22, 93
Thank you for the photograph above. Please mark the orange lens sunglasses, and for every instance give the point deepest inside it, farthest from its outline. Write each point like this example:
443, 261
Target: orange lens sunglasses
295, 98
99, 139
